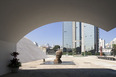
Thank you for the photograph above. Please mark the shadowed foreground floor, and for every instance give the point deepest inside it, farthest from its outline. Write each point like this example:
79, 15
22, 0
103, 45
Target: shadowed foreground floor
64, 73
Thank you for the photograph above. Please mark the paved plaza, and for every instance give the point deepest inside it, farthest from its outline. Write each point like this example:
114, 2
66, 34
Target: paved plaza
89, 66
79, 62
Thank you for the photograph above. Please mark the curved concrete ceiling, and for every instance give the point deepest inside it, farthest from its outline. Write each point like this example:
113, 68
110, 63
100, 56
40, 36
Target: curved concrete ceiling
19, 17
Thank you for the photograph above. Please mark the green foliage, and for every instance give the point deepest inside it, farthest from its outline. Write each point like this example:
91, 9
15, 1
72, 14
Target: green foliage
70, 53
97, 53
89, 53
64, 53
74, 51
114, 46
114, 49
103, 54
14, 63
84, 53
64, 49
56, 47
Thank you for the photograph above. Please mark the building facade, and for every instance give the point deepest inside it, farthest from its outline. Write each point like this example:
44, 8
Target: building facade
67, 34
110, 45
101, 43
80, 35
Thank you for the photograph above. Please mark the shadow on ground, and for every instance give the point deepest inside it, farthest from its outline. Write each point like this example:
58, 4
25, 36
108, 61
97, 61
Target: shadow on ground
64, 73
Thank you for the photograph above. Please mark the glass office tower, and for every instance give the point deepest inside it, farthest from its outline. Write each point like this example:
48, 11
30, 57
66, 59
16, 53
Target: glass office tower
67, 34
90, 37
80, 35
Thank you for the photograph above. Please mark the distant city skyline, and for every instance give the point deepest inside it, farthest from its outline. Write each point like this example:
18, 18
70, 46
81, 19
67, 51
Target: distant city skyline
52, 34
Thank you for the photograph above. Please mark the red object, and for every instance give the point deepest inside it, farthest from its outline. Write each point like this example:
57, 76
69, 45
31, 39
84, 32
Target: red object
101, 51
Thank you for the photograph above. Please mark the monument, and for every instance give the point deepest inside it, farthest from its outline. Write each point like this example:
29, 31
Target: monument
58, 56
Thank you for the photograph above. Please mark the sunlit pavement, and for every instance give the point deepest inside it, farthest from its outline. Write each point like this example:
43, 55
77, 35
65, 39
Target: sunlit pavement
80, 62
83, 67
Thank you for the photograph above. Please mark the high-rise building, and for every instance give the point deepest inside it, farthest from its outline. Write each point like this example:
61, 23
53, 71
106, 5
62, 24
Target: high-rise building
80, 35
101, 43
67, 34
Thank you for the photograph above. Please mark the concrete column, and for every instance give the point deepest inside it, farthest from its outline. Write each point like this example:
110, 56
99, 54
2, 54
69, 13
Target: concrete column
82, 38
73, 34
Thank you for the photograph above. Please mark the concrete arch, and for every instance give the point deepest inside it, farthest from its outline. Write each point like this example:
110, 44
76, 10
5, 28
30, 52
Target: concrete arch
19, 17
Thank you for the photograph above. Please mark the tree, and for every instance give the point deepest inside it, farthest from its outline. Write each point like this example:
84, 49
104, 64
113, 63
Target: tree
56, 47
114, 49
64, 49
74, 51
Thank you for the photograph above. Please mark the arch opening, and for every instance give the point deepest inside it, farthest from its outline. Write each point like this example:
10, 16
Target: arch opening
92, 32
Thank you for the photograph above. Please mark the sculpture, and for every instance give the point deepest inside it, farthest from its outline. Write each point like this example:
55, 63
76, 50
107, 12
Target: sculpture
101, 51
58, 56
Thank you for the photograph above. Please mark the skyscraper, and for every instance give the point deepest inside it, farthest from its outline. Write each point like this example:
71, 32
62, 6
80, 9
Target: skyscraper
67, 34
80, 35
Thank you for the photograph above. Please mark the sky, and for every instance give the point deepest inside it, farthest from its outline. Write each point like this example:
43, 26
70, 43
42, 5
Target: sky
52, 34
107, 35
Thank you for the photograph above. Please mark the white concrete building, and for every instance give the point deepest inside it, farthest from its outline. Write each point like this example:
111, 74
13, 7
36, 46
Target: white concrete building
110, 45
107, 45
101, 43
113, 42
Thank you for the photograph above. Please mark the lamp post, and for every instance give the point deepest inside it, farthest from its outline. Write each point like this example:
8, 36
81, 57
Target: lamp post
84, 50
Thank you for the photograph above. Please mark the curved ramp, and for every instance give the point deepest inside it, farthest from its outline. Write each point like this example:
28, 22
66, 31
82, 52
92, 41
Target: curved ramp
28, 51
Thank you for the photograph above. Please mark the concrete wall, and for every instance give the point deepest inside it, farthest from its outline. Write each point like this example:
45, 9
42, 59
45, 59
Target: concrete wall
28, 51
5, 49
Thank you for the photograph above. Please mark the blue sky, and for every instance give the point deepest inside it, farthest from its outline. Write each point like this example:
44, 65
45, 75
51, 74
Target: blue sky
52, 34
107, 35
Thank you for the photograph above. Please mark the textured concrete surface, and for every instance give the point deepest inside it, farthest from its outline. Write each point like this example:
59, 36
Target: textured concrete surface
28, 51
